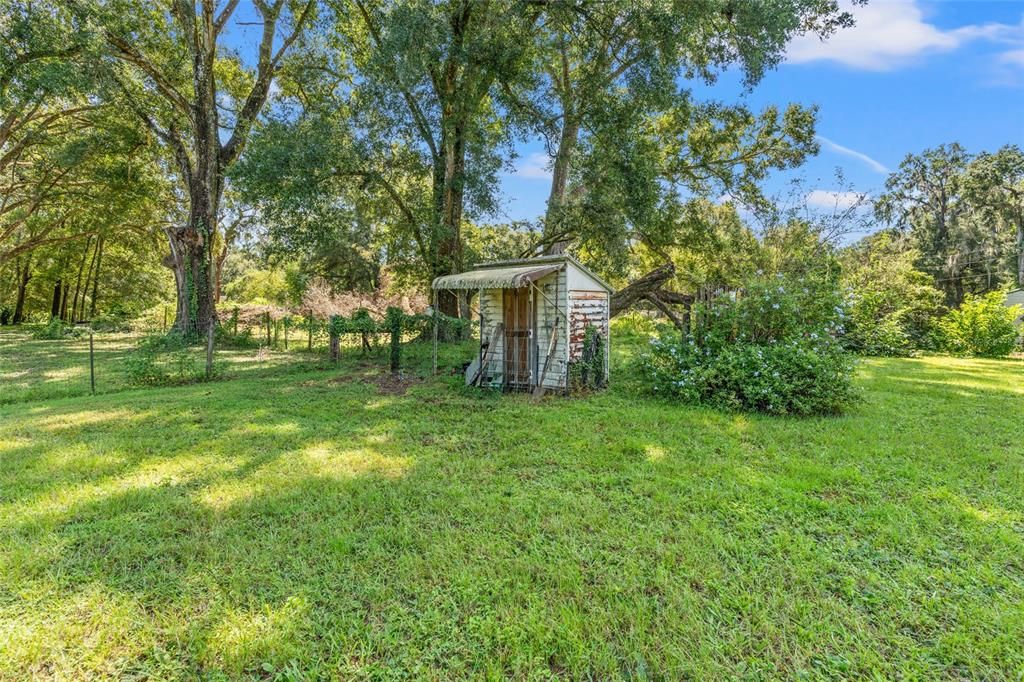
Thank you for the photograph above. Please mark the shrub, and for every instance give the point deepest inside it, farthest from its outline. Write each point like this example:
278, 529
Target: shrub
55, 329
982, 326
771, 348
162, 360
893, 307
801, 377
6, 315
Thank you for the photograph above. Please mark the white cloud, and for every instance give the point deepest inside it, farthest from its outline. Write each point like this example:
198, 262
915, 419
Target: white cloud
827, 198
534, 167
891, 33
1013, 57
853, 153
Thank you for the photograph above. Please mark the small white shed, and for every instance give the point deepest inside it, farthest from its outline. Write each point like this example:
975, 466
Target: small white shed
533, 317
1015, 297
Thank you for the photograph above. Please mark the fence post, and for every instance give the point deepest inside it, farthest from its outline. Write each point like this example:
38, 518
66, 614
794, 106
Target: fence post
394, 322
334, 339
309, 346
277, 326
266, 318
433, 313
92, 367
165, 319
209, 351
286, 324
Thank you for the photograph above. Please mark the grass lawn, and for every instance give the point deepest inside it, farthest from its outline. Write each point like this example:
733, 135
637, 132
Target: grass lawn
33, 369
303, 524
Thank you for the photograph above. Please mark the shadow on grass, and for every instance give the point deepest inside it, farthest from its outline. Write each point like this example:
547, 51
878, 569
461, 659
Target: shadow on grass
252, 528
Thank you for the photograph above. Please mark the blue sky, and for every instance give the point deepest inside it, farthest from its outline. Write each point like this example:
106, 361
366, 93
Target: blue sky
911, 75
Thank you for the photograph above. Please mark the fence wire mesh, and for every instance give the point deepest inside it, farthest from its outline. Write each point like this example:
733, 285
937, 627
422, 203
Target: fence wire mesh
81, 361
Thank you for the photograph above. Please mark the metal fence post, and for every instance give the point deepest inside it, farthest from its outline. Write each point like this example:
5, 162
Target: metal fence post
209, 351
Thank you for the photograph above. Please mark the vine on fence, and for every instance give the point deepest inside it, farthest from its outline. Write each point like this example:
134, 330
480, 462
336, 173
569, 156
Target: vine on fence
396, 324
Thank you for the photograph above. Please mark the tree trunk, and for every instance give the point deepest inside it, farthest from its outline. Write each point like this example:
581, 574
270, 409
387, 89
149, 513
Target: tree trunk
559, 183
96, 279
196, 308
78, 279
639, 289
55, 304
24, 275
449, 205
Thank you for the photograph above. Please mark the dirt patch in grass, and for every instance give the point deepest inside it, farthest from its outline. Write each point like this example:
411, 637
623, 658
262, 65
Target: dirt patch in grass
387, 384
393, 384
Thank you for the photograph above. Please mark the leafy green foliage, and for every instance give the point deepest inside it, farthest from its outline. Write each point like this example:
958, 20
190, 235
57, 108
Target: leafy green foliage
588, 373
163, 360
963, 213
981, 326
53, 330
771, 348
893, 307
260, 286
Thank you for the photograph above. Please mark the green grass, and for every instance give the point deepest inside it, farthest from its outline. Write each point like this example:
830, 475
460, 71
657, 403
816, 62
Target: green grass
33, 369
299, 524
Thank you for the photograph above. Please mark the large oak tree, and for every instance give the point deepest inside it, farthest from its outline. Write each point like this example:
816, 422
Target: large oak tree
173, 65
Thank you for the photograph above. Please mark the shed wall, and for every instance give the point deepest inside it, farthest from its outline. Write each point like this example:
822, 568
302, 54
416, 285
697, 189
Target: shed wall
551, 307
555, 295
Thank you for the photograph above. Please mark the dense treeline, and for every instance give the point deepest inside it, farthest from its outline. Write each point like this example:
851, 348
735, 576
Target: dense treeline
157, 151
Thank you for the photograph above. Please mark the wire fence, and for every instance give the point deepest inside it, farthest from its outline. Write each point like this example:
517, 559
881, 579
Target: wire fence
37, 363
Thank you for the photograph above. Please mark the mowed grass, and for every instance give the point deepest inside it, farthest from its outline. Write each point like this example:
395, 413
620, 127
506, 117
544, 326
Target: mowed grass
304, 525
43, 369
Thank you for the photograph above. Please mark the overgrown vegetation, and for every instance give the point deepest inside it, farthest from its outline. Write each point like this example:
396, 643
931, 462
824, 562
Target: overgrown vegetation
54, 330
981, 326
163, 359
772, 347
893, 308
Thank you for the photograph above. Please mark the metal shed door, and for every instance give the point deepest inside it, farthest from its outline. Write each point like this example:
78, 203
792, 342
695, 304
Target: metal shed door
517, 337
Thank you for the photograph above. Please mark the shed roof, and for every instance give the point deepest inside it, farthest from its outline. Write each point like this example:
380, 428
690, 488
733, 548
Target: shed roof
511, 273
497, 278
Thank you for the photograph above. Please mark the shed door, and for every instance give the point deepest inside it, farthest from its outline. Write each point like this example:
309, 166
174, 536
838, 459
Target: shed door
517, 337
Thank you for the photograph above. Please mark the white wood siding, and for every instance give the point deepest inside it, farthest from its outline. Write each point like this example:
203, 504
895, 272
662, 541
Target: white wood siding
550, 300
491, 307
551, 309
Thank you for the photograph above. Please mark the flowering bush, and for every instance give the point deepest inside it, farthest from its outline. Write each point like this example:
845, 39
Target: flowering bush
771, 348
981, 326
